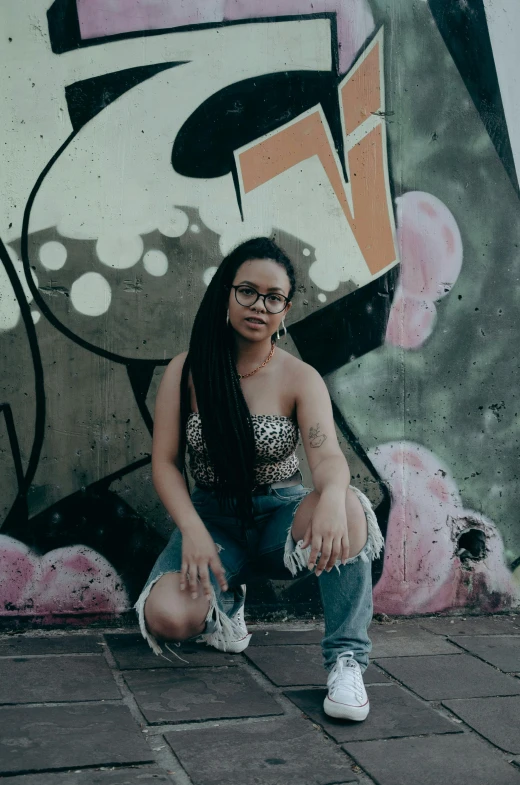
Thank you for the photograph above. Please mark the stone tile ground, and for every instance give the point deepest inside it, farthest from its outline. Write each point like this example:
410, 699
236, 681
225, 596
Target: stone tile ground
99, 708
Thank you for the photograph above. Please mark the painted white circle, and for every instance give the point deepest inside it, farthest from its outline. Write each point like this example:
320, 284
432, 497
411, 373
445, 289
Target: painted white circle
119, 251
91, 294
306, 252
155, 262
175, 224
322, 297
208, 275
53, 255
195, 228
35, 316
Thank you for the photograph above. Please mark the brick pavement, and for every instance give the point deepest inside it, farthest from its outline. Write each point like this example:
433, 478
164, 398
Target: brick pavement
96, 707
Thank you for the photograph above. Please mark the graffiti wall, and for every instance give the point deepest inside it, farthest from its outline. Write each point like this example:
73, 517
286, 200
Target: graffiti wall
379, 144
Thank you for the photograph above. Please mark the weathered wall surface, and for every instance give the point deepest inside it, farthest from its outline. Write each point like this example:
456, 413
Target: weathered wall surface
378, 142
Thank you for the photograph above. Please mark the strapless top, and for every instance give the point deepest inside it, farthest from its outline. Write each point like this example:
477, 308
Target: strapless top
276, 438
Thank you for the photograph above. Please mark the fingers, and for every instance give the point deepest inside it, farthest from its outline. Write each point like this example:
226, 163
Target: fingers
315, 549
307, 537
204, 580
218, 572
326, 550
334, 554
193, 580
184, 575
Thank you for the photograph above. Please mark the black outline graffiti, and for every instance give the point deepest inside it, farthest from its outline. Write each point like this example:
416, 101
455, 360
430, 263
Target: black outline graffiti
85, 99
65, 34
39, 426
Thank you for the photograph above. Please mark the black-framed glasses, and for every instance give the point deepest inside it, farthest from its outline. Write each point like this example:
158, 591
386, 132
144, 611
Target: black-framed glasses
273, 302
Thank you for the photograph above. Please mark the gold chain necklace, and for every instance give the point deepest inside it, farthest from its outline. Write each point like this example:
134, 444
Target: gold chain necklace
245, 375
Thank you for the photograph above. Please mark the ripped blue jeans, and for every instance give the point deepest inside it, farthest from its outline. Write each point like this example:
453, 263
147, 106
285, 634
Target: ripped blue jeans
269, 550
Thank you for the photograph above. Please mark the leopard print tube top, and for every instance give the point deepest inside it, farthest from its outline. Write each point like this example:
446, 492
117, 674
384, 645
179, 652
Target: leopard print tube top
276, 438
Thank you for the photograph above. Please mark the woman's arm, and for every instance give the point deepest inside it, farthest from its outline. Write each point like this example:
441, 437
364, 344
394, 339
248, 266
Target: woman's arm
327, 531
166, 476
198, 548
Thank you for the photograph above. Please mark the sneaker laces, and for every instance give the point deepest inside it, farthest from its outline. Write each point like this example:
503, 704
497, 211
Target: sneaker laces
346, 674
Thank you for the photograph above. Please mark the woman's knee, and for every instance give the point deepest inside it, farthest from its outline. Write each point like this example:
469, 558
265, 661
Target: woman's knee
171, 626
170, 614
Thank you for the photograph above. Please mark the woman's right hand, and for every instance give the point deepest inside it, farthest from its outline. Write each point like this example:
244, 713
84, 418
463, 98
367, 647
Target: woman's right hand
199, 554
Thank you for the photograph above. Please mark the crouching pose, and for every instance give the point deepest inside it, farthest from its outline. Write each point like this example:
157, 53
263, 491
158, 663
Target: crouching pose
238, 404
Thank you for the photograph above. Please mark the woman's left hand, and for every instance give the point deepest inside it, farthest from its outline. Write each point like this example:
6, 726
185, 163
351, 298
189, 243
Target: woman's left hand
327, 534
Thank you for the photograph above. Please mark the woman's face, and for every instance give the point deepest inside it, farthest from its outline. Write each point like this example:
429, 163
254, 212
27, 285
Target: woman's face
254, 322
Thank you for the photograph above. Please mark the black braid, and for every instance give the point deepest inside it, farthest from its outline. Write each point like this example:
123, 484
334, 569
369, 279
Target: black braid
227, 427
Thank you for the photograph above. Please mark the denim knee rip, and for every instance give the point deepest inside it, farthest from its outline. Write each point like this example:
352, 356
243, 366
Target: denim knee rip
219, 627
297, 558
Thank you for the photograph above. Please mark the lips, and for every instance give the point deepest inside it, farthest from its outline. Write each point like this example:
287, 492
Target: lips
254, 320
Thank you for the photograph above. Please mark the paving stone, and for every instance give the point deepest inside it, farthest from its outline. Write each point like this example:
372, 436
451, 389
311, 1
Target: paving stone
33, 738
473, 625
406, 640
440, 677
41, 679
373, 675
264, 637
180, 695
497, 719
151, 775
20, 645
131, 652
288, 666
461, 759
393, 713
281, 752
501, 651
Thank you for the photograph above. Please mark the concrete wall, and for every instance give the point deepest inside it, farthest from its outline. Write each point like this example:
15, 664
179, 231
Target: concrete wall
141, 140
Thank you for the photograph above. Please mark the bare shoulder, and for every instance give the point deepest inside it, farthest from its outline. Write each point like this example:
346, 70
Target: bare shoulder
300, 375
172, 374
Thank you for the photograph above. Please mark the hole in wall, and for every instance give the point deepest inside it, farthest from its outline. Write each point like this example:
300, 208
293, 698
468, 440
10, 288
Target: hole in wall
471, 546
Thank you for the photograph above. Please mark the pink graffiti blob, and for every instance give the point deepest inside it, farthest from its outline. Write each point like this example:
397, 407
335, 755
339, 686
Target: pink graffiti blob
67, 580
430, 248
99, 18
427, 565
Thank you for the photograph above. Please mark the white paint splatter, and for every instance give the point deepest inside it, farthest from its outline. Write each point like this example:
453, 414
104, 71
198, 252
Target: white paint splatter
155, 262
327, 276
322, 297
306, 252
53, 255
119, 250
195, 228
91, 294
174, 224
36, 315
208, 275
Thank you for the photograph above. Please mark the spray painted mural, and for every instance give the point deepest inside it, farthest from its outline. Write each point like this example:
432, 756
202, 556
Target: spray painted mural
144, 140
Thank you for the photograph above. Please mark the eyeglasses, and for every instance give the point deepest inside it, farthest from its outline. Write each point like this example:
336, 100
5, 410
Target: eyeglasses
273, 302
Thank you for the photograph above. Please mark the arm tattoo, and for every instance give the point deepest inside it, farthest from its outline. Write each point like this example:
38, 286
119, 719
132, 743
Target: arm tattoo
316, 438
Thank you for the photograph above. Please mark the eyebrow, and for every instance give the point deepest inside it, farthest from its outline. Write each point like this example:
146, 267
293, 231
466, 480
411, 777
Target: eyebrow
271, 288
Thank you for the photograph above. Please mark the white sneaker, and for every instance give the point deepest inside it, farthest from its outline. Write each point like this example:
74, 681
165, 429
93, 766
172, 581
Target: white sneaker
240, 636
347, 698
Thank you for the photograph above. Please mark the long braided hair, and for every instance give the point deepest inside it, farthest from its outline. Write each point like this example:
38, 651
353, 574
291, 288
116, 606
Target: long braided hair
227, 428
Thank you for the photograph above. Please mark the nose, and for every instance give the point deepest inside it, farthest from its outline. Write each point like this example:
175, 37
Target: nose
259, 305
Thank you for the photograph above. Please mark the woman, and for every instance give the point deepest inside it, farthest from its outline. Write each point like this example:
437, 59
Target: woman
237, 402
